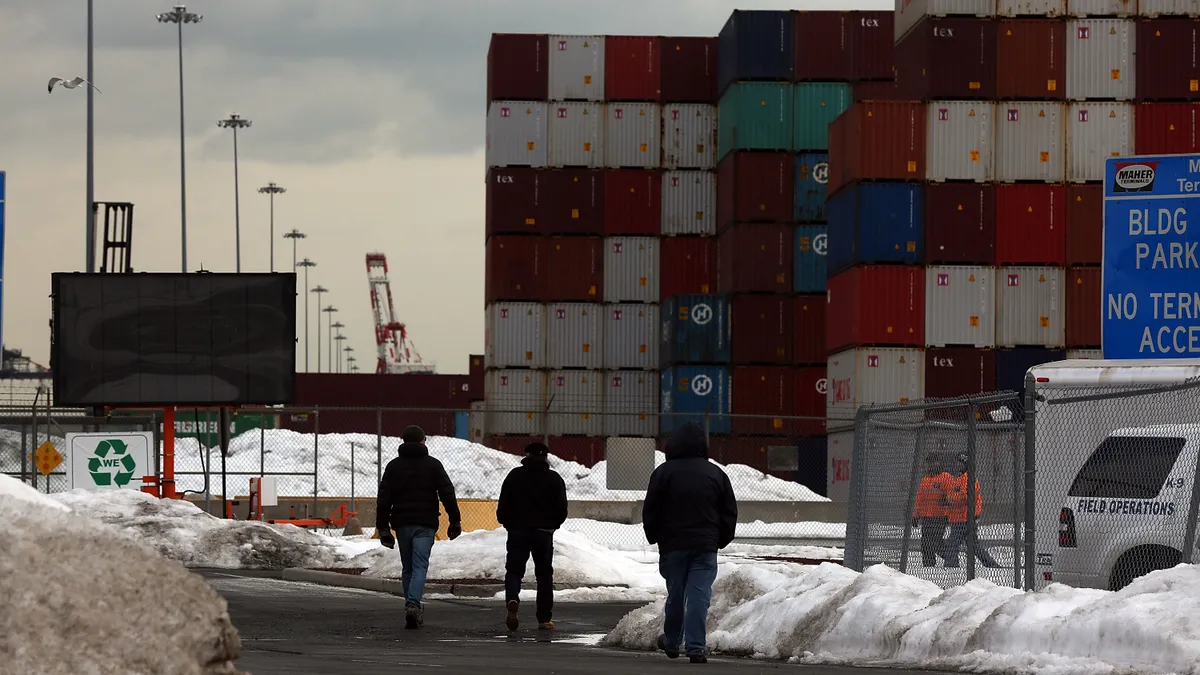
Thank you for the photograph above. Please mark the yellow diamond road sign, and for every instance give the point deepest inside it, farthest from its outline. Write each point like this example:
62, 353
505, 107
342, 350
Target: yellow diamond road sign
47, 458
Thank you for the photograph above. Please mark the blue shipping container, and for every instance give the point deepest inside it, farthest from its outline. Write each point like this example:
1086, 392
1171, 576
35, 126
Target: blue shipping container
695, 391
812, 183
1012, 364
809, 259
462, 425
695, 329
755, 45
872, 223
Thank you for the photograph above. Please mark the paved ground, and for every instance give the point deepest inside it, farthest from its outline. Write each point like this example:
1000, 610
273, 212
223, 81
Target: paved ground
291, 628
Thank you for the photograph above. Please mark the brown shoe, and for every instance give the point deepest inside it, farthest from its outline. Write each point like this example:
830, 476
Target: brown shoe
546, 625
511, 619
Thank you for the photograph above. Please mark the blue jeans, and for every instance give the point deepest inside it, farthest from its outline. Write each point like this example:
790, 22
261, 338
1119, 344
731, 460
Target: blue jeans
415, 543
955, 542
689, 577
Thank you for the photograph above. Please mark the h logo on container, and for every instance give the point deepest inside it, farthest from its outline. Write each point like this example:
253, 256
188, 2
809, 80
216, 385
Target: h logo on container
702, 385
560, 312
943, 280
873, 361
618, 247
1014, 280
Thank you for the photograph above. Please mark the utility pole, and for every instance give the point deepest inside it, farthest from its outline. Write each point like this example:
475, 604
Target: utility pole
90, 218
329, 322
236, 122
306, 263
295, 235
319, 290
180, 16
340, 338
272, 189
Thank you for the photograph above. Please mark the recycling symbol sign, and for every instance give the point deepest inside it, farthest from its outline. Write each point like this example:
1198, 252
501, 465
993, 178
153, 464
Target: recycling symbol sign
111, 464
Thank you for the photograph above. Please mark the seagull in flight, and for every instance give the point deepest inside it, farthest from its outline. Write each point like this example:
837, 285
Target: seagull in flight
68, 84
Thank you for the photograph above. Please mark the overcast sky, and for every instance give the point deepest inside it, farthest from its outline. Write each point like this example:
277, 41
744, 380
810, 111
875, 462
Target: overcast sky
370, 113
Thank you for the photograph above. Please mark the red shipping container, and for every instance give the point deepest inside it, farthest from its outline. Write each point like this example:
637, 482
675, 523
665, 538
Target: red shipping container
762, 390
574, 269
518, 67
808, 330
1031, 61
1167, 128
572, 201
688, 266
513, 201
368, 422
959, 371
1084, 307
810, 400
1085, 224
514, 268
369, 390
689, 69
960, 224
584, 450
755, 187
760, 328
881, 140
957, 57
513, 445
633, 202
872, 45
755, 258
876, 305
1168, 65
747, 451
632, 68
904, 79
843, 46
1031, 224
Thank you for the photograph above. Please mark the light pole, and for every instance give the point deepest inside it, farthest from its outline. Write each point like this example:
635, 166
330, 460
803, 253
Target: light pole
306, 263
352, 361
236, 122
90, 217
272, 190
319, 290
340, 338
295, 235
329, 322
180, 16
349, 356
332, 350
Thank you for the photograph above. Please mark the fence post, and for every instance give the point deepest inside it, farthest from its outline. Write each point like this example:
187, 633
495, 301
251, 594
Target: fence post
378, 446
1029, 527
914, 479
262, 445
972, 492
35, 444
25, 455
856, 513
223, 433
1189, 538
353, 497
1017, 483
316, 454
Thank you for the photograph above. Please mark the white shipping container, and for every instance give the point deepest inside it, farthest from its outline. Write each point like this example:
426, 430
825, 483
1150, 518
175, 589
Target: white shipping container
1029, 307
633, 136
1091, 354
515, 400
631, 403
574, 335
910, 12
1083, 8
1095, 132
575, 400
476, 421
840, 453
576, 68
689, 136
515, 335
631, 336
959, 136
1037, 8
1153, 8
1030, 142
960, 306
1101, 59
689, 203
631, 269
517, 134
870, 375
575, 132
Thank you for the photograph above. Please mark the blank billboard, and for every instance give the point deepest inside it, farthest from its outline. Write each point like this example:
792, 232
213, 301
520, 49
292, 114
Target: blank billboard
173, 339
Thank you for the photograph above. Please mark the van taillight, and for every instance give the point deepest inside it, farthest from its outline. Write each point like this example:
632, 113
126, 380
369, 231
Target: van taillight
1066, 529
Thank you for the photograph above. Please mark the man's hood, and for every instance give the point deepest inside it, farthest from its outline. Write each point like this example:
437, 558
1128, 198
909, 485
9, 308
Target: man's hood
413, 450
688, 440
535, 462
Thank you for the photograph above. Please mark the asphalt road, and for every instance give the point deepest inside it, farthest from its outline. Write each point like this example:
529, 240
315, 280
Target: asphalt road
292, 628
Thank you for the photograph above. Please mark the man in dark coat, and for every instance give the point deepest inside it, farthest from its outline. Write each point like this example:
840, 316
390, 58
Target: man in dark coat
533, 504
409, 492
691, 513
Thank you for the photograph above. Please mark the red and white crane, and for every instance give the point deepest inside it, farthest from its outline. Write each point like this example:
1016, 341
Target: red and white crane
396, 353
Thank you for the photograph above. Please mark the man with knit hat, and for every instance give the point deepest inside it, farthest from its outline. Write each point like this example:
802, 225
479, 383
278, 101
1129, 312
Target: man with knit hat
533, 504
409, 492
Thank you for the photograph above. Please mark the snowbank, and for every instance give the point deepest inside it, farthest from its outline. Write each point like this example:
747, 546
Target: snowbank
829, 614
33, 500
182, 532
476, 470
81, 598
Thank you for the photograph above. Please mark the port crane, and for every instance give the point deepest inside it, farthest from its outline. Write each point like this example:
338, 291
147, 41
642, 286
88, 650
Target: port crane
397, 354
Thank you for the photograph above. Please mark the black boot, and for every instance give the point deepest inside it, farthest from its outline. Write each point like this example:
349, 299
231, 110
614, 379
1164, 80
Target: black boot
662, 645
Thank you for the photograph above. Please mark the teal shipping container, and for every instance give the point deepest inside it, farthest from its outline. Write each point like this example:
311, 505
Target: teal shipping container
755, 116
809, 260
814, 106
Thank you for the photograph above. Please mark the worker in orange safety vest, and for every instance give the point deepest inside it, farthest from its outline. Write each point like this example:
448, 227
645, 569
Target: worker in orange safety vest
929, 510
957, 514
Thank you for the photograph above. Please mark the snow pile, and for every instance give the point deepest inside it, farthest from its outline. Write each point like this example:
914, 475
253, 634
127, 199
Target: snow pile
476, 470
829, 614
81, 598
32, 499
182, 532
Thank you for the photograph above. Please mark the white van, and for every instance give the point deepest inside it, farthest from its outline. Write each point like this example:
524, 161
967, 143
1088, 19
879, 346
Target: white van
1126, 510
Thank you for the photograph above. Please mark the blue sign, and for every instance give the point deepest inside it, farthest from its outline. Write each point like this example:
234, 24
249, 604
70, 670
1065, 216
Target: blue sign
1151, 295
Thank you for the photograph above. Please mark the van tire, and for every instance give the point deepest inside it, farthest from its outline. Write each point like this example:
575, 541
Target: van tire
1137, 562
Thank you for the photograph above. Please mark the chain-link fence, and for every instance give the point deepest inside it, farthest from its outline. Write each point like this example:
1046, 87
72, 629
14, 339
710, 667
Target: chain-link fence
937, 489
1117, 480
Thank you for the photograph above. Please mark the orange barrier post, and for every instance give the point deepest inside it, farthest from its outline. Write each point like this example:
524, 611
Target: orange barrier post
168, 468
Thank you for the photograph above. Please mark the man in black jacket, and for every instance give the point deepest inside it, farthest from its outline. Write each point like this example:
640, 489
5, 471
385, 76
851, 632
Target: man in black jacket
409, 492
691, 513
533, 504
